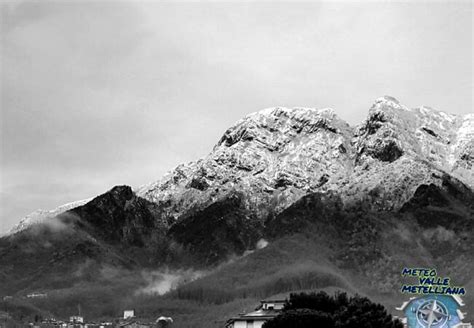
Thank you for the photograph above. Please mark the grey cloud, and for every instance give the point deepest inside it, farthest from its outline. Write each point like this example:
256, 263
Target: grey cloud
100, 93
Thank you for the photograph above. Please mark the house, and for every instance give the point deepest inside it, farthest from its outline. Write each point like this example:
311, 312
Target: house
128, 314
105, 324
267, 310
76, 319
4, 315
433, 311
50, 323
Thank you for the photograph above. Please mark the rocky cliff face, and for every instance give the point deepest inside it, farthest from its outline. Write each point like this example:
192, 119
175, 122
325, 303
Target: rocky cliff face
276, 156
398, 149
392, 130
119, 216
273, 157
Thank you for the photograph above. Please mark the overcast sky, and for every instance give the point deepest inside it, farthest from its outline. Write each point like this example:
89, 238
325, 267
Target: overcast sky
95, 93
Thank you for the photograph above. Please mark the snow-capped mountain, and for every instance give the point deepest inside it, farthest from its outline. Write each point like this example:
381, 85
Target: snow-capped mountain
273, 156
338, 207
277, 155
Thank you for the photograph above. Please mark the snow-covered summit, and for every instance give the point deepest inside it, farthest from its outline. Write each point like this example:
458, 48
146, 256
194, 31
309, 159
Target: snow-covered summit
392, 130
277, 155
40, 216
275, 126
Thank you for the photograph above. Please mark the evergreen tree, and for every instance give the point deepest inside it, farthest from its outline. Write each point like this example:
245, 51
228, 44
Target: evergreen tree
339, 311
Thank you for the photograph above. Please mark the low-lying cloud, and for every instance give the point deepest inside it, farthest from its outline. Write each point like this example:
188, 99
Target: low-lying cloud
440, 234
162, 281
262, 243
53, 224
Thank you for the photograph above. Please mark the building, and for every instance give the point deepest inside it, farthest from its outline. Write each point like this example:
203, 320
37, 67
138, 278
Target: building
267, 310
128, 314
433, 311
105, 324
50, 323
4, 315
76, 319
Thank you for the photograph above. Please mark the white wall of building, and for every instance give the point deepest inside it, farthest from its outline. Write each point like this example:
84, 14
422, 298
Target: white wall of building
243, 324
128, 314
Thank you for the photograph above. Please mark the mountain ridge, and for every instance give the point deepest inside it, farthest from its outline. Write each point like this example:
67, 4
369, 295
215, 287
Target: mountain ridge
334, 206
287, 152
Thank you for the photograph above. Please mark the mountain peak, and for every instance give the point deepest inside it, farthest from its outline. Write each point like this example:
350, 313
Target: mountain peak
392, 130
292, 113
280, 124
387, 99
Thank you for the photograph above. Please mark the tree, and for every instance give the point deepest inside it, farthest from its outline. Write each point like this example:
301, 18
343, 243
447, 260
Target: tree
299, 318
339, 311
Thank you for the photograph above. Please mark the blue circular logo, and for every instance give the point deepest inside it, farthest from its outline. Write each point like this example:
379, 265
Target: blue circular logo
432, 314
